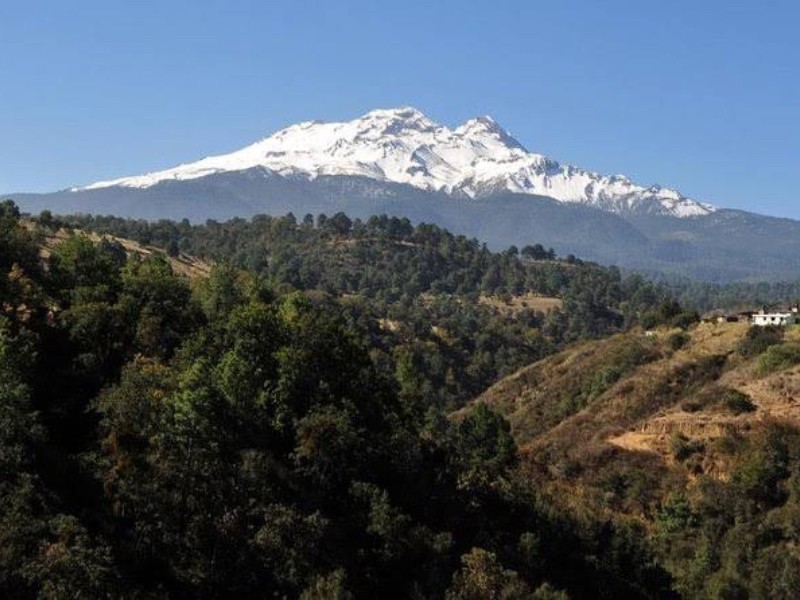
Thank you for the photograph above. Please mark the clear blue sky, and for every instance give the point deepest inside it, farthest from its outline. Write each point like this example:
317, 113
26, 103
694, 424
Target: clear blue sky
700, 95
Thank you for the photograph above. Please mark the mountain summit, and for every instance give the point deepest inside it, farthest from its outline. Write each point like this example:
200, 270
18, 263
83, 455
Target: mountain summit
475, 160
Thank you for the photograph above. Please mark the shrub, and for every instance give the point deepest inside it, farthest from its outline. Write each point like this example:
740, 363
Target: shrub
691, 406
604, 378
684, 319
738, 402
758, 339
548, 592
730, 443
676, 514
483, 576
706, 396
777, 358
682, 447
678, 340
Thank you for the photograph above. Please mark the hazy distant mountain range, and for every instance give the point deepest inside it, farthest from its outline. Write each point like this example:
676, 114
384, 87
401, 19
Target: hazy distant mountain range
475, 179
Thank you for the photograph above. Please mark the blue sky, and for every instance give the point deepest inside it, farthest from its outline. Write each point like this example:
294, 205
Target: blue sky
702, 96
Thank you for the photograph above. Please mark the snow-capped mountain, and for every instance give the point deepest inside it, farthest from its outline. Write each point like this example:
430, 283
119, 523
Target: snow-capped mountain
476, 159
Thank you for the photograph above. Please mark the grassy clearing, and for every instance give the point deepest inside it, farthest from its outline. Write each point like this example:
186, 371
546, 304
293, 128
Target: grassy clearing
515, 304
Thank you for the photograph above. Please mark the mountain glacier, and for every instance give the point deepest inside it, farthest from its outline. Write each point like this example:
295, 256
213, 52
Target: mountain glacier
402, 145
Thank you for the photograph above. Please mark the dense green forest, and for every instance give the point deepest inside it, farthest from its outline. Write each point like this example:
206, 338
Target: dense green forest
418, 290
737, 537
238, 438
734, 296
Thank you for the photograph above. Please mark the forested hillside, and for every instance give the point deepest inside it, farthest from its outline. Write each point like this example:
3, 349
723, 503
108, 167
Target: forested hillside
734, 296
387, 257
448, 316
161, 437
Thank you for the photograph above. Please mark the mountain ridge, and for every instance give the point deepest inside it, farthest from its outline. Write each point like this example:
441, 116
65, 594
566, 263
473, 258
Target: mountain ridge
476, 159
726, 245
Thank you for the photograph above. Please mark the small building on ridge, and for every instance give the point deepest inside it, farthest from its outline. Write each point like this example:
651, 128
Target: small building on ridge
778, 319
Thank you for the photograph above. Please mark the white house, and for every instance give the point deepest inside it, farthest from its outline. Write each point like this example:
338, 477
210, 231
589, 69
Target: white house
781, 319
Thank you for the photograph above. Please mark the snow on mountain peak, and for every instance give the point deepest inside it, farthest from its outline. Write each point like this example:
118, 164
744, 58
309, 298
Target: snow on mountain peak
403, 145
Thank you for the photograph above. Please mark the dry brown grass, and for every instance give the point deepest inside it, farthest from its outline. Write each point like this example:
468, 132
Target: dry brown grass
774, 396
631, 427
183, 265
541, 396
515, 304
